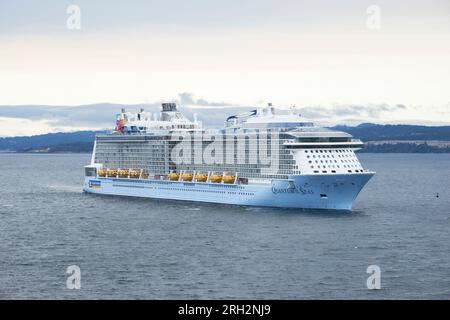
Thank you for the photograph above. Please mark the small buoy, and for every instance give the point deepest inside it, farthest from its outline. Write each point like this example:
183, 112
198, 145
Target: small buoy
437, 195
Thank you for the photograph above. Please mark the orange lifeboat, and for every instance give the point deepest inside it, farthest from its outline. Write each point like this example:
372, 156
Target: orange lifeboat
216, 178
187, 177
123, 173
101, 172
135, 174
174, 176
200, 177
112, 172
229, 179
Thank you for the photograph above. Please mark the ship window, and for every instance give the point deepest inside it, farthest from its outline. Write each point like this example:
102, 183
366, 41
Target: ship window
90, 172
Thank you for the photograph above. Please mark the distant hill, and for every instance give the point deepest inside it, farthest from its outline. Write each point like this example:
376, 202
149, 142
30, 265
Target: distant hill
379, 138
46, 140
404, 147
76, 147
377, 132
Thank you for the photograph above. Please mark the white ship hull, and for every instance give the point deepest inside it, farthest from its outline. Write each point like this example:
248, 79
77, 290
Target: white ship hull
302, 191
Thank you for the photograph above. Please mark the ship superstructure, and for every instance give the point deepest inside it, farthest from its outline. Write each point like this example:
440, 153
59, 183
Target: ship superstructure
258, 158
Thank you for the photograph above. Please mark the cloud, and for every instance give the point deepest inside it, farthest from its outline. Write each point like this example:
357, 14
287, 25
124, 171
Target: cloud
362, 113
29, 120
11, 127
37, 119
188, 99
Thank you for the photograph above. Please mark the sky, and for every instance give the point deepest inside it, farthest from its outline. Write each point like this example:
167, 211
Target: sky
344, 61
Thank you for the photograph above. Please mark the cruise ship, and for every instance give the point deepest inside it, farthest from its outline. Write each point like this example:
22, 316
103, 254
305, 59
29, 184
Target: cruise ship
263, 157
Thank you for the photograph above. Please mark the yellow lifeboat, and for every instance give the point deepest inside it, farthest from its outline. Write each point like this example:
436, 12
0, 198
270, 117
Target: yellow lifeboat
135, 174
200, 177
123, 173
101, 172
216, 178
112, 173
229, 179
187, 177
174, 176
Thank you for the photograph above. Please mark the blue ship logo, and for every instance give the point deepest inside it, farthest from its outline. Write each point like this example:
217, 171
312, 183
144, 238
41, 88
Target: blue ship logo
95, 184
